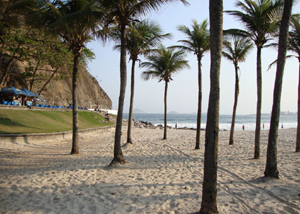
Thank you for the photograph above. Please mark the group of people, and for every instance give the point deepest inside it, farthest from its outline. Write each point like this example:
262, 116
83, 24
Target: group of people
106, 114
24, 101
263, 126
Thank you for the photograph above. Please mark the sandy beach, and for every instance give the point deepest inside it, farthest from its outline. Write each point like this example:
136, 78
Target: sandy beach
162, 176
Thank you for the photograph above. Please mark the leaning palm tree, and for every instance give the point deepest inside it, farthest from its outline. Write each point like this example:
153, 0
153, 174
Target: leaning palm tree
197, 42
162, 64
122, 13
271, 163
140, 38
261, 19
236, 52
75, 21
209, 187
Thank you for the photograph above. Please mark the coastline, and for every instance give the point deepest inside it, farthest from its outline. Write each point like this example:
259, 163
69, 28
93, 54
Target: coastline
190, 121
162, 176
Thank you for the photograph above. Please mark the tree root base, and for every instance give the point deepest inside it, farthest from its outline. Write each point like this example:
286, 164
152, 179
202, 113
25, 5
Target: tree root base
118, 162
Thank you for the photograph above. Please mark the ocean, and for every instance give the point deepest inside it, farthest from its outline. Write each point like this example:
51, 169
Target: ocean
190, 120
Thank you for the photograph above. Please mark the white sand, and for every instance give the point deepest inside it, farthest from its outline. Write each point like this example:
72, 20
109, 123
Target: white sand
164, 176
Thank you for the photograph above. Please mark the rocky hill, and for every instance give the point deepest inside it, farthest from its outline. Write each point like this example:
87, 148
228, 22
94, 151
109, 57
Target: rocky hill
59, 92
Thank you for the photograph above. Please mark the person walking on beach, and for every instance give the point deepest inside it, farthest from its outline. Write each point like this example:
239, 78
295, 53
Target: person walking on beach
176, 126
263, 126
243, 127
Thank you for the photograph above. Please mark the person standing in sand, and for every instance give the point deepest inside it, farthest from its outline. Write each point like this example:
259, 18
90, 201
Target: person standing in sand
243, 127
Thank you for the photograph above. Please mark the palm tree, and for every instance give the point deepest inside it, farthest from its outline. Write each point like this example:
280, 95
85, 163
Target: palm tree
293, 46
75, 21
197, 42
122, 13
261, 19
163, 64
271, 164
236, 52
209, 189
140, 38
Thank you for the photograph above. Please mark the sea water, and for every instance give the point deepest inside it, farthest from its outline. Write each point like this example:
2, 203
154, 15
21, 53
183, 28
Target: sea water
190, 120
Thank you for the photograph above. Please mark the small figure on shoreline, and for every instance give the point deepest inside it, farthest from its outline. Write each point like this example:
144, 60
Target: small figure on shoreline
243, 127
282, 126
263, 126
176, 126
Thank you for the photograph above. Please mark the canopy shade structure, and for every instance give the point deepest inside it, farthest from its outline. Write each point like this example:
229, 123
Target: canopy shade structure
29, 93
12, 90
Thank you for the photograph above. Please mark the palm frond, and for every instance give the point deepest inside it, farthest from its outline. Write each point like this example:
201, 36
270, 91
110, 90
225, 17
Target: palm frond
275, 61
140, 37
163, 63
260, 18
237, 49
128, 11
197, 40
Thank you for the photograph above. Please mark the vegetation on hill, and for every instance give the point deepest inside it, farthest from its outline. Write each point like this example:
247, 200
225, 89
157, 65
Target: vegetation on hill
37, 121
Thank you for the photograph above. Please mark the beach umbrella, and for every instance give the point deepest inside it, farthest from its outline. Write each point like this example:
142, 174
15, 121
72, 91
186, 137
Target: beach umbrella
29, 93
12, 90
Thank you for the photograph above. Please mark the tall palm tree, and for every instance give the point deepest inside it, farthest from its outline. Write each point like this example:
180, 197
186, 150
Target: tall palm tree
163, 64
236, 52
293, 46
261, 19
75, 21
122, 13
271, 163
209, 188
197, 42
140, 38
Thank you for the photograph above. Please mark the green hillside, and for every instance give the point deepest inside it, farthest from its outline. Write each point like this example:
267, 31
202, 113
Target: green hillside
26, 121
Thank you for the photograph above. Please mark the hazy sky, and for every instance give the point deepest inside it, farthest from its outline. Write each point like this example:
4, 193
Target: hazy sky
183, 91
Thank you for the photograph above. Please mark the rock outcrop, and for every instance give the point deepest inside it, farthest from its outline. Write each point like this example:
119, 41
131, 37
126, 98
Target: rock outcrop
59, 92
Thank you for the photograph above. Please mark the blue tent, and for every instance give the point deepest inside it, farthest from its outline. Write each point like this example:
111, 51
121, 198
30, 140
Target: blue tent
29, 93
12, 90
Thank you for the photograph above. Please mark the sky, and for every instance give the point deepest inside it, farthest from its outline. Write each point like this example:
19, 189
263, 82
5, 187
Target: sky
183, 91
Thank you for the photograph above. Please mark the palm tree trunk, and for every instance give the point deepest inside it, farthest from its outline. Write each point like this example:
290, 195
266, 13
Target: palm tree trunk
258, 105
129, 140
209, 190
236, 96
198, 132
118, 155
271, 165
298, 112
165, 111
75, 137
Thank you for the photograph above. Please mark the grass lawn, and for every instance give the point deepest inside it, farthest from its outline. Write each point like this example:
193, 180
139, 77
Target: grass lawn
35, 121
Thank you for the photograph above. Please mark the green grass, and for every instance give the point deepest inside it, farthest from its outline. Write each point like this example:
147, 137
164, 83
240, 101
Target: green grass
26, 121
